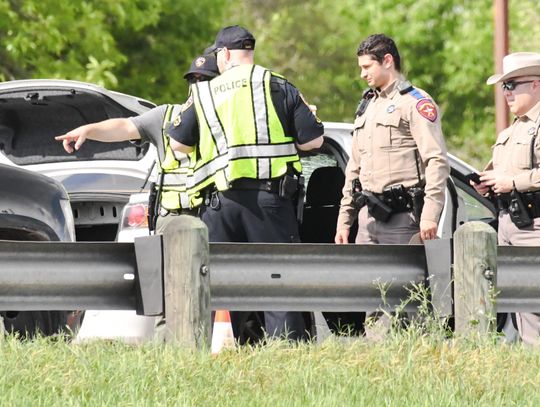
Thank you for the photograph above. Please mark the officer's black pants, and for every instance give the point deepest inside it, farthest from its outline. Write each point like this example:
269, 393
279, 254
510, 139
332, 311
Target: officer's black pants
256, 216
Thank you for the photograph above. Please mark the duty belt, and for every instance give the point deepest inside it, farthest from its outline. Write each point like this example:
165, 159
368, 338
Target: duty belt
268, 185
530, 199
400, 203
179, 211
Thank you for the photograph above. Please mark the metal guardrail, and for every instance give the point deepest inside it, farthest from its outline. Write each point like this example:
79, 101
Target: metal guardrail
518, 279
293, 277
65, 276
312, 277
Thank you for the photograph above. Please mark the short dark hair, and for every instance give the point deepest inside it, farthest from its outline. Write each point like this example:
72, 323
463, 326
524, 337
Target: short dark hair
377, 46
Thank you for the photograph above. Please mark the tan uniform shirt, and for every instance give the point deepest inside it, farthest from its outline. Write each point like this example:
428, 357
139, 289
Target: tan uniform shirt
398, 140
512, 151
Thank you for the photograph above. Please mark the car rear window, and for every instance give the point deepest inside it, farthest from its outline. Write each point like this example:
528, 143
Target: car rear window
29, 121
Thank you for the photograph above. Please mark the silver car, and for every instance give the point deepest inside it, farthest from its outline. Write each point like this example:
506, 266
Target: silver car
106, 182
100, 177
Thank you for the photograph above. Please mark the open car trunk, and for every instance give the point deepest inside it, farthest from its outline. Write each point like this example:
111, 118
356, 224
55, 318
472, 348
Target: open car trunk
100, 176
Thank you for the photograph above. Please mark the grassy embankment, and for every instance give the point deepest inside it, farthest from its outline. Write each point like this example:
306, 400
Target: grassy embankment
405, 369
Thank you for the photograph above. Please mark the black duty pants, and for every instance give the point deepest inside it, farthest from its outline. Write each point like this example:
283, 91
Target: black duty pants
255, 216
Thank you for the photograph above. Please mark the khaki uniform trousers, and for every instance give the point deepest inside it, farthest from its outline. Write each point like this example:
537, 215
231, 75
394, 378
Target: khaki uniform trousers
398, 230
510, 235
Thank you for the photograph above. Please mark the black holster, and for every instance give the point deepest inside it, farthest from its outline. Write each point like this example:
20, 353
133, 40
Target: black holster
417, 199
152, 206
518, 212
377, 208
301, 193
358, 198
292, 187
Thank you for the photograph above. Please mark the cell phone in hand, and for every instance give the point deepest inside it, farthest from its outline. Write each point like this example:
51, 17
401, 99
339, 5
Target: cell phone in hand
474, 177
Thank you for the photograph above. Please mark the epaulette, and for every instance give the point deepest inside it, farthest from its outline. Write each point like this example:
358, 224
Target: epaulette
406, 87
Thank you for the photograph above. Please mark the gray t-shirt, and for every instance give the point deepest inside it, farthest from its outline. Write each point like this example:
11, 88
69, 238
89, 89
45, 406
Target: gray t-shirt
150, 124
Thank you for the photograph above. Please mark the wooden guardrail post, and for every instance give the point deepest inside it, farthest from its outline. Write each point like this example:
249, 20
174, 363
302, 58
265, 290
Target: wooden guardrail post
187, 282
475, 277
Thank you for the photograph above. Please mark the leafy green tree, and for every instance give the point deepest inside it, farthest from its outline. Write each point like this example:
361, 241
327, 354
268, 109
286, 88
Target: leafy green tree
135, 46
143, 47
446, 46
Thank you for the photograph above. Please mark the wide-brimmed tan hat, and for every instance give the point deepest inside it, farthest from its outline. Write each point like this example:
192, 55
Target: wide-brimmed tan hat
517, 64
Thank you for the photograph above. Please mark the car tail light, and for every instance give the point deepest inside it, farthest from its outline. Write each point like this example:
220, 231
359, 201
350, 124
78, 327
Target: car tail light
135, 216
134, 222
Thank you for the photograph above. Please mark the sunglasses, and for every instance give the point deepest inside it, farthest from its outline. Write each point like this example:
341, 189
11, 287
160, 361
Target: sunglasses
511, 85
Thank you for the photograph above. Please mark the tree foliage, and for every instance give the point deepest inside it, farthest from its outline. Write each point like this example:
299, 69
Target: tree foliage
446, 46
143, 47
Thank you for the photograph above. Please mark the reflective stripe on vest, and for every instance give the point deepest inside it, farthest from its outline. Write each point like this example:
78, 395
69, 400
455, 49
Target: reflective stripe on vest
255, 147
174, 165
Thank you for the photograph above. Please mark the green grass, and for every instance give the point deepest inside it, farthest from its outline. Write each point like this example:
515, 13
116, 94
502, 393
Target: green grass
403, 370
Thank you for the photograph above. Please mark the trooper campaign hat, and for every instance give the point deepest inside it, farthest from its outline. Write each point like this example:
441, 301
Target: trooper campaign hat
516, 65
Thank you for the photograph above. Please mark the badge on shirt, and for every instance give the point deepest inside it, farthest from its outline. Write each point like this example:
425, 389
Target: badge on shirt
177, 121
390, 109
427, 109
531, 131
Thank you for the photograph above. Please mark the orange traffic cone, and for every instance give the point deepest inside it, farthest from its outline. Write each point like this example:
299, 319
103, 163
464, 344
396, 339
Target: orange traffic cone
222, 335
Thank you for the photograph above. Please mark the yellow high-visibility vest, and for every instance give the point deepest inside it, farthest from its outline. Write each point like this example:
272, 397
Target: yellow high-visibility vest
175, 167
241, 135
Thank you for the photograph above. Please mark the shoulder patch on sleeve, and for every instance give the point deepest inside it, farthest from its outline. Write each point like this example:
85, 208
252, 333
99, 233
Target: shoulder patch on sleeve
188, 103
427, 109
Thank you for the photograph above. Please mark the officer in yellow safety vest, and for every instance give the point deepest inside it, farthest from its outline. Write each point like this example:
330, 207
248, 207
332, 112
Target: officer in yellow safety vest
244, 129
169, 192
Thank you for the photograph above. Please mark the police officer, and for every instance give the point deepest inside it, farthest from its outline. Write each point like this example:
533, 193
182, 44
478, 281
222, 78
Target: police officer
245, 127
398, 155
513, 176
151, 127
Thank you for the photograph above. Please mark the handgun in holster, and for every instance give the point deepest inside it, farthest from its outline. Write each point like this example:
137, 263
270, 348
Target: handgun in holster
518, 212
377, 208
417, 195
291, 187
358, 198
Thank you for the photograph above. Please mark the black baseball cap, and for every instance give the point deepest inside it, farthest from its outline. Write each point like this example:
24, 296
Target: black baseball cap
234, 37
205, 65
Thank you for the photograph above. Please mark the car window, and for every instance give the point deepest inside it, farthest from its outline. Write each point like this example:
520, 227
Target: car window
312, 162
475, 209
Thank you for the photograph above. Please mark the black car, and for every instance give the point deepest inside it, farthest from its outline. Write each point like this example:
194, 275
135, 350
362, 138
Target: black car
34, 207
